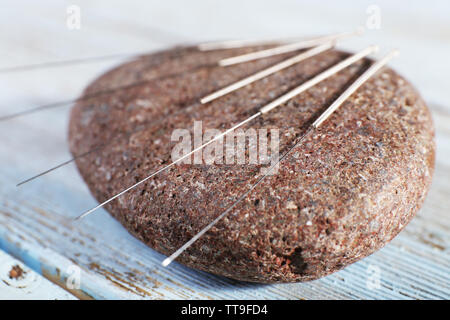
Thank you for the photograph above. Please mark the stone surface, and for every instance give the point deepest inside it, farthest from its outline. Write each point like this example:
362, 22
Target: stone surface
345, 192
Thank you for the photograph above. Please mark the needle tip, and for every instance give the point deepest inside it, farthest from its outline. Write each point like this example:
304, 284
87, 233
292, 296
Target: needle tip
166, 262
81, 216
23, 182
204, 100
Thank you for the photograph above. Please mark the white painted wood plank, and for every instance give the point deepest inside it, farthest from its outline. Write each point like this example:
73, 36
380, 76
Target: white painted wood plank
17, 281
35, 221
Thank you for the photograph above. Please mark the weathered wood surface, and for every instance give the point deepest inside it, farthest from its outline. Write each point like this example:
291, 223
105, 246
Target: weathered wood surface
17, 281
35, 219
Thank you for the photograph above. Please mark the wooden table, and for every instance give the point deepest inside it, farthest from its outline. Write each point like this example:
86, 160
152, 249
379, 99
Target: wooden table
97, 253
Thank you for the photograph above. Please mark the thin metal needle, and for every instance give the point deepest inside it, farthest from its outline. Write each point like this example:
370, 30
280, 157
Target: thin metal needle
322, 76
68, 102
62, 164
168, 166
266, 72
355, 85
338, 102
61, 63
232, 44
287, 48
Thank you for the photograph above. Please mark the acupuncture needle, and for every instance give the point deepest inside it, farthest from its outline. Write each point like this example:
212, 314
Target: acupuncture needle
287, 48
234, 86
306, 85
62, 63
68, 102
233, 44
266, 72
376, 66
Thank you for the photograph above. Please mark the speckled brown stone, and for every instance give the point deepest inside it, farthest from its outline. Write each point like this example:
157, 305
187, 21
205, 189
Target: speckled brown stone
340, 196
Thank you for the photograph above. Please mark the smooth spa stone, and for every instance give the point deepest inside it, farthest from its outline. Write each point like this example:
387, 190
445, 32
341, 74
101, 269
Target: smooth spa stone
339, 196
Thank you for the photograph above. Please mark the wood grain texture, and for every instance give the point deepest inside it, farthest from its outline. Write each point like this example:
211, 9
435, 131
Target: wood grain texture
35, 219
